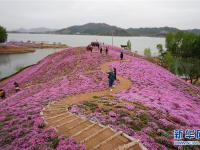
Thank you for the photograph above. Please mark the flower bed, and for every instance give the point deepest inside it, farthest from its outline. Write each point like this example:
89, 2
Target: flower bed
68, 72
157, 102
159, 89
151, 126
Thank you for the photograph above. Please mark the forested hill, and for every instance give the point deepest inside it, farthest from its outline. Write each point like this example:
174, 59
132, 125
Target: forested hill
151, 31
105, 29
94, 29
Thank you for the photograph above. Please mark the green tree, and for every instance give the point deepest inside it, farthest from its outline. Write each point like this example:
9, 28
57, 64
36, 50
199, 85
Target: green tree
189, 68
169, 41
169, 61
3, 34
183, 44
129, 44
147, 52
161, 53
160, 49
185, 49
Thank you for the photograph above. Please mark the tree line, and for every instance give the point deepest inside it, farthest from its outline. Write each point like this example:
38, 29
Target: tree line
3, 34
182, 55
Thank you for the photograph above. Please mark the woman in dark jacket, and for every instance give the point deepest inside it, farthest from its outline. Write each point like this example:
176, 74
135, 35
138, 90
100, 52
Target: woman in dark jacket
115, 73
121, 55
111, 77
101, 50
106, 50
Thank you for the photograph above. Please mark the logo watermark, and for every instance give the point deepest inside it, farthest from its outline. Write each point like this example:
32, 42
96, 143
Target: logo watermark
186, 137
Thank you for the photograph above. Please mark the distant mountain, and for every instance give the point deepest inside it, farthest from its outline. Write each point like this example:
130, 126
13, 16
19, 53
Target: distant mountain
151, 31
105, 29
196, 31
94, 29
34, 30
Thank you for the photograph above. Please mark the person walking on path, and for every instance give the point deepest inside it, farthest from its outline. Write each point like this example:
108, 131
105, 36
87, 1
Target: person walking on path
91, 48
121, 55
106, 50
111, 78
2, 94
101, 50
115, 73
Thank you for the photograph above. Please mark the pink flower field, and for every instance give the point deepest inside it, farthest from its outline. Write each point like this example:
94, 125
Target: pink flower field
157, 102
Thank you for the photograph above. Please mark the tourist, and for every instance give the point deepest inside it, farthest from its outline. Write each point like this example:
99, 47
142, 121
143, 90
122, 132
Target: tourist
91, 48
2, 94
17, 89
121, 55
98, 45
115, 73
106, 50
111, 78
101, 50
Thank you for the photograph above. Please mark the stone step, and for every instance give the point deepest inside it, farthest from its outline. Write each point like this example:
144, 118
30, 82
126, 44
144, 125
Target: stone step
61, 120
98, 137
114, 143
94, 135
87, 132
81, 125
83, 129
52, 109
68, 124
105, 141
53, 113
56, 117
133, 145
138, 146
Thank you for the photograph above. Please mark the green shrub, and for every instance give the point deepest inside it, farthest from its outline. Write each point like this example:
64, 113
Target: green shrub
90, 106
129, 44
53, 142
169, 61
3, 34
147, 52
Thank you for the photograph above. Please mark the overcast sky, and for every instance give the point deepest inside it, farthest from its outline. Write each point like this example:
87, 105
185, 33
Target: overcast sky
183, 14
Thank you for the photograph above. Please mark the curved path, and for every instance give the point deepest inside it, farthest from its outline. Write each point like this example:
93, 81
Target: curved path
92, 134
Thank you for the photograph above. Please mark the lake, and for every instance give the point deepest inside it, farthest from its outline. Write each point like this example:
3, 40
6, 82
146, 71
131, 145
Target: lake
11, 63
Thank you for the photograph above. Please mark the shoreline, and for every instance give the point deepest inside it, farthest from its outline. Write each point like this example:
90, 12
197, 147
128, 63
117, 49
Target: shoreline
15, 50
90, 34
26, 47
8, 77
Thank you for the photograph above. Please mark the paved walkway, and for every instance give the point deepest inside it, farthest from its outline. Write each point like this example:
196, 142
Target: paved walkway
92, 134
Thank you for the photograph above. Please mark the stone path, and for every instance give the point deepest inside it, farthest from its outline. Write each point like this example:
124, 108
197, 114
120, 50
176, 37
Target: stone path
92, 134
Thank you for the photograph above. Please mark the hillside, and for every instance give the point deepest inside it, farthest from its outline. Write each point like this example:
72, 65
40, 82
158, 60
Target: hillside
151, 31
155, 103
33, 30
105, 29
94, 29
